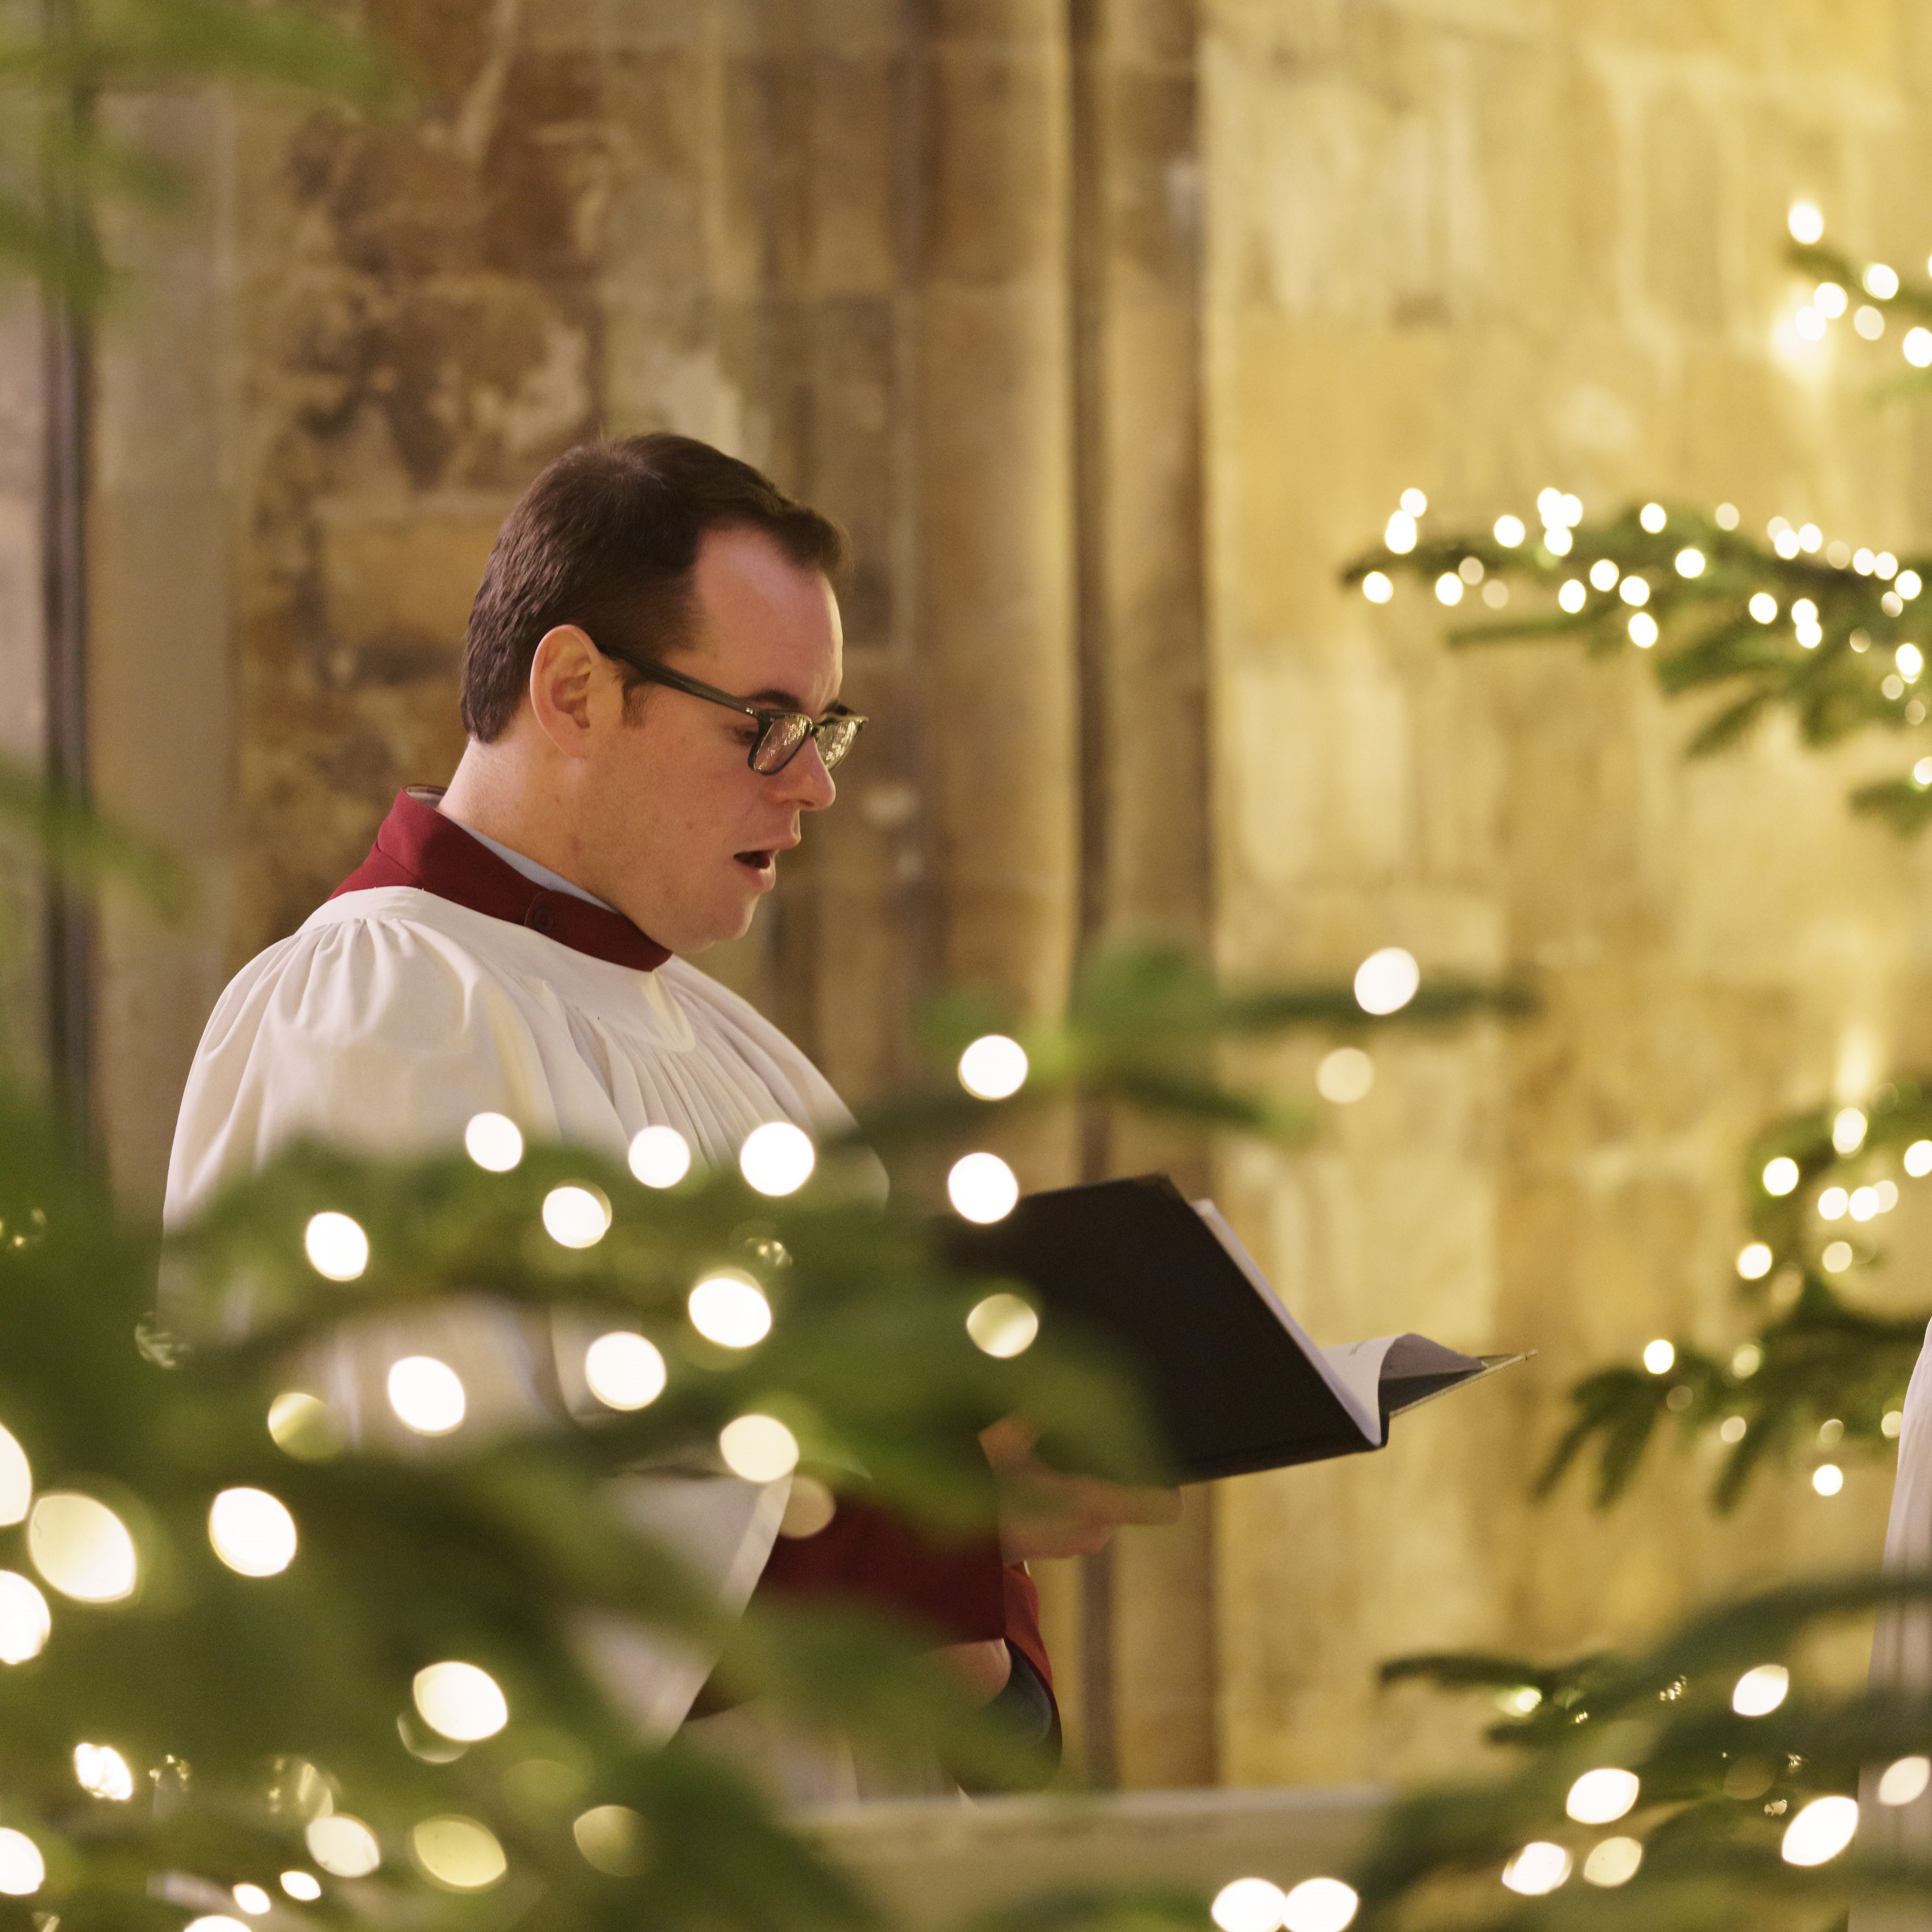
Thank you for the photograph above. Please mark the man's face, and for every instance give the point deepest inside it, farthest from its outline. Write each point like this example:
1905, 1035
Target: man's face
686, 836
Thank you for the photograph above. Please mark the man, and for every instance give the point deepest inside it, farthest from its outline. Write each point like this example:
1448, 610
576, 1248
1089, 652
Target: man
650, 687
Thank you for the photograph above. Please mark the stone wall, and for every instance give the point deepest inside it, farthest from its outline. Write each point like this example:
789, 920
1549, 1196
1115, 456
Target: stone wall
1110, 331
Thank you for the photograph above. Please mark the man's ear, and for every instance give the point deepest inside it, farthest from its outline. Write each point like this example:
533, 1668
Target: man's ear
564, 674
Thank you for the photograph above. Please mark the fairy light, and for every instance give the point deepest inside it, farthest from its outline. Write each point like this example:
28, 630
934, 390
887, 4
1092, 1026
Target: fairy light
1754, 1261
1780, 1175
1689, 562
729, 1309
1510, 531
25, 1623
1892, 1424
1918, 1159
427, 1395
1652, 517
1910, 660
1830, 1432
1414, 502
1602, 1797
1885, 565
252, 1532
1660, 1357
1604, 573
493, 1141
1557, 540
336, 1246
82, 1548
1864, 562
1908, 584
1887, 1192
17, 1480
1832, 1203
1836, 1257
1809, 324
1806, 224
1398, 534
1820, 1832
1880, 281
1448, 588
23, 1869
659, 1156
1869, 323
1320, 1905
1830, 300
1249, 1905
1539, 1867
994, 1067
1809, 539
1634, 590
1470, 570
1377, 588
1732, 1430
1848, 1129
458, 1854
624, 1371
101, 1771
1905, 1781
777, 1158
461, 1701
1613, 1862
1572, 596
1918, 347
1002, 1325
1827, 1479
1746, 1361
251, 1899
1863, 1203
342, 1846
1760, 1691
1344, 1076
1643, 631
576, 1216
301, 1884
983, 1188
1387, 980
760, 1448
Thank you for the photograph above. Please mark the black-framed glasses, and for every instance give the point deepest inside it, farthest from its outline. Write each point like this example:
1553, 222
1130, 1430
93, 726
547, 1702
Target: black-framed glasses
782, 736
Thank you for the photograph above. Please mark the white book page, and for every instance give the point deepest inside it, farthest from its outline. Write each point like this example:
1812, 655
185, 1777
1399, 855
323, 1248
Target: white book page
1364, 1408
1359, 1364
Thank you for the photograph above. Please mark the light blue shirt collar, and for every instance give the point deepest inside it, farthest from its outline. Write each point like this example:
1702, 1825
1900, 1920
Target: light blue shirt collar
537, 875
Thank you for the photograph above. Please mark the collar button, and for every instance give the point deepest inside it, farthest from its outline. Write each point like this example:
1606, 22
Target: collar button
540, 918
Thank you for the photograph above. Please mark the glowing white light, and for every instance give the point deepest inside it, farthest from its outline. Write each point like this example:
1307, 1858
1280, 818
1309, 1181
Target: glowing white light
214, 1921
1760, 1691
1836, 1257
1810, 324
809, 1507
1863, 1203
1806, 223
25, 1620
624, 1370
1887, 1192
777, 1158
17, 1481
1881, 281
1747, 1360
760, 1448
1809, 537
1602, 1797
252, 1532
1905, 1780
1539, 1867
1910, 660
1732, 1430
576, 1216
1869, 323
1377, 588
1909, 583
1659, 1357
1643, 631
22, 1868
1509, 531
1387, 980
1827, 1479
1820, 1832
1690, 562
1613, 1862
1864, 562
660, 1157
1571, 597
344, 1846
460, 1702
1604, 573
1917, 1162
1832, 1204
251, 1898
1780, 1175
1557, 540
1652, 517
493, 1141
614, 1839
1399, 534
1921, 776
983, 1188
1002, 1325
101, 1771
730, 1310
1885, 564
1320, 1905
1634, 590
1448, 588
459, 1854
1918, 347
81, 1548
1829, 299
1344, 1076
302, 1885
1848, 1130
1726, 516
1892, 1424
1414, 502
1470, 570
1786, 543
1754, 1261
305, 1426
1249, 1905
336, 1246
993, 1068
427, 1395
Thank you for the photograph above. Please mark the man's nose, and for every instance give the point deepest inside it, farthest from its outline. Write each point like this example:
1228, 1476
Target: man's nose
807, 783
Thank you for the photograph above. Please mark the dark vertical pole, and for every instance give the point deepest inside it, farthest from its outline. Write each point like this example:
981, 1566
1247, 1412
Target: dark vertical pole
67, 411
1086, 231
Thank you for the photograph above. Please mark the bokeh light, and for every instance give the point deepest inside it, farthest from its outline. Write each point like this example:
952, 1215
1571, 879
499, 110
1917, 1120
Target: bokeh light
1660, 1357
981, 1188
305, 1426
427, 1395
777, 1158
575, 1216
1002, 1325
25, 1620
493, 1141
1377, 588
459, 1854
1905, 1780
1754, 1261
760, 1448
23, 1869
1820, 1832
1780, 1176
1613, 1862
613, 1840
994, 1067
1249, 1905
1848, 1129
1344, 1075
731, 1310
302, 1885
251, 1898
1602, 1797
17, 1481
1760, 1691
660, 1157
336, 1246
1539, 1867
81, 1548
1827, 1479
101, 1771
342, 1846
624, 1370
252, 1532
460, 1702
1387, 980
1320, 1905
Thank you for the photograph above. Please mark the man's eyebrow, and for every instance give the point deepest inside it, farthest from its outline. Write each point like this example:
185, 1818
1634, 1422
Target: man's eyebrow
785, 700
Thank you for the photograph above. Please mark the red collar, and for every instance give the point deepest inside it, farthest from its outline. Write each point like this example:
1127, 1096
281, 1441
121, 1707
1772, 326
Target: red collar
415, 845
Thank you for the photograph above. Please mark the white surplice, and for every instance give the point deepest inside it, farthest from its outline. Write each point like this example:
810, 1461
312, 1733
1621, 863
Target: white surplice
1902, 1653
383, 1026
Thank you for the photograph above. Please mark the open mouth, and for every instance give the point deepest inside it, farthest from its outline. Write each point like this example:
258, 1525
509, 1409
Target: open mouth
760, 862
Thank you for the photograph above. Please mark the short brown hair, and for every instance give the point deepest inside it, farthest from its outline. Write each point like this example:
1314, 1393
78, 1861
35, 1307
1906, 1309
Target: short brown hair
607, 538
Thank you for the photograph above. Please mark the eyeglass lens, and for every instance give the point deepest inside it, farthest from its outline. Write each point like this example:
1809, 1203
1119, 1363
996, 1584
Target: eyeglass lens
785, 736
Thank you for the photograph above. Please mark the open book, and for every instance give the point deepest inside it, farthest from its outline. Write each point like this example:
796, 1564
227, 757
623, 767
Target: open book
1235, 1383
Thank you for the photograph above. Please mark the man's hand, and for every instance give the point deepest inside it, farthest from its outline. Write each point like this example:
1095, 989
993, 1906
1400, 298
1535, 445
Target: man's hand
1043, 1513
